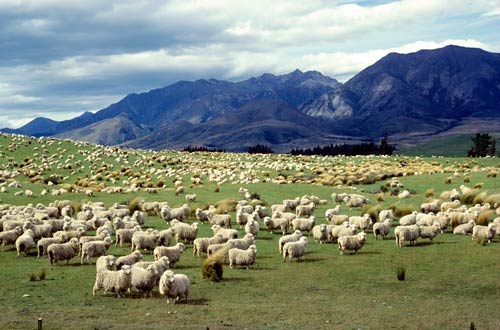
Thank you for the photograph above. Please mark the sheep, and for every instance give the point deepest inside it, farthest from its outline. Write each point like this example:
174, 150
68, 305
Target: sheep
66, 235
241, 218
429, 231
262, 211
382, 228
107, 262
95, 249
434, 206
363, 222
173, 253
303, 224
40, 231
226, 233
201, 215
294, 237
139, 217
464, 229
44, 243
484, 232
146, 241
338, 219
242, 243
442, 221
190, 198
276, 223
100, 237
450, 205
63, 251
355, 200
10, 236
216, 247
354, 242
343, 230
252, 227
165, 237
406, 233
145, 279
404, 194
305, 210
175, 286
220, 219
409, 219
163, 264
385, 214
295, 249
425, 219
125, 235
106, 227
278, 208
128, 259
186, 233
168, 214
113, 281
331, 212
320, 233
25, 241
242, 257
201, 244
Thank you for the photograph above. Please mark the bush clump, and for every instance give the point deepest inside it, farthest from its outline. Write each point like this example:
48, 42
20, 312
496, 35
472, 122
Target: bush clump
225, 206
135, 205
401, 273
400, 210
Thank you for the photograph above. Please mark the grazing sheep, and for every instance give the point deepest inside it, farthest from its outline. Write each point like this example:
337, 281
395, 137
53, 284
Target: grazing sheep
63, 251
146, 241
226, 233
252, 227
165, 237
354, 242
331, 212
216, 247
25, 242
303, 224
276, 223
464, 229
338, 219
95, 249
294, 237
173, 253
343, 230
385, 214
190, 198
10, 236
406, 233
40, 231
186, 233
284, 215
128, 259
320, 233
241, 218
201, 244
113, 281
434, 206
44, 243
429, 231
125, 235
262, 211
220, 219
362, 223
105, 263
201, 215
145, 280
484, 232
175, 286
162, 265
242, 257
242, 243
305, 210
295, 249
409, 219
382, 228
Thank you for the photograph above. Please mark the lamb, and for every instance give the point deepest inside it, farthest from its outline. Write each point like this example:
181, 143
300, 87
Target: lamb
276, 223
320, 233
125, 235
201, 244
145, 279
240, 257
464, 229
175, 286
10, 236
305, 210
252, 227
484, 232
331, 212
146, 241
63, 251
354, 242
220, 219
242, 243
25, 242
362, 223
173, 253
294, 237
113, 281
105, 263
128, 259
342, 230
95, 249
44, 243
382, 228
429, 231
295, 249
186, 233
303, 224
409, 219
190, 198
226, 233
406, 233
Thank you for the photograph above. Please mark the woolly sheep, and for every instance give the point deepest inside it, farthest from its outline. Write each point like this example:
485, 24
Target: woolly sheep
44, 243
113, 281
190, 198
409, 219
442, 222
354, 242
241, 218
240, 257
220, 219
354, 200
343, 230
165, 237
276, 223
434, 206
406, 233
338, 219
404, 194
173, 253
63, 251
174, 286
144, 280
243, 243
201, 215
216, 247
107, 262
484, 232
429, 231
202, 243
295, 249
226, 233
331, 212
385, 214
25, 242
252, 227
10, 236
39, 231
320, 233
146, 241
163, 264
186, 233
450, 205
382, 228
139, 217
128, 259
294, 237
303, 224
168, 214
305, 210
464, 229
262, 211
125, 235
425, 219
95, 249
363, 222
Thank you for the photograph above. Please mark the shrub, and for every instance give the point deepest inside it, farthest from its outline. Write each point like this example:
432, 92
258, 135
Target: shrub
429, 192
491, 175
212, 266
447, 180
469, 196
478, 185
217, 189
466, 179
401, 273
225, 206
76, 206
401, 210
373, 211
480, 198
134, 205
380, 197
482, 218
160, 183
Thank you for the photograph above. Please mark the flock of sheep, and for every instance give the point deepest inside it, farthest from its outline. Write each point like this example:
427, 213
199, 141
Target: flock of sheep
61, 233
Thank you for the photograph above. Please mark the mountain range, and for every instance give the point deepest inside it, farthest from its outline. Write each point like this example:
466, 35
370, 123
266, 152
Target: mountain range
412, 97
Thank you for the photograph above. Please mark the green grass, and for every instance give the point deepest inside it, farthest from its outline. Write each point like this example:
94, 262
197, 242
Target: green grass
449, 283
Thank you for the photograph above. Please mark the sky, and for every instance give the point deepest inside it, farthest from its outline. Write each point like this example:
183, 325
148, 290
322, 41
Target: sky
60, 58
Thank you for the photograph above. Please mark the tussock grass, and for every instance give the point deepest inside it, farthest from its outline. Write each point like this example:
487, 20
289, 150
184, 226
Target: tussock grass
448, 180
135, 205
483, 217
479, 198
469, 196
400, 210
372, 210
493, 200
225, 206
429, 192
212, 268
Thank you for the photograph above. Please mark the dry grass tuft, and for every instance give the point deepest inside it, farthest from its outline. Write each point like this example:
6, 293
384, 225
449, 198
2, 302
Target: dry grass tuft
482, 218
429, 192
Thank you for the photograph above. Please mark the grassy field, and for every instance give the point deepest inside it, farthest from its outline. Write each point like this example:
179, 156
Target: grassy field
449, 283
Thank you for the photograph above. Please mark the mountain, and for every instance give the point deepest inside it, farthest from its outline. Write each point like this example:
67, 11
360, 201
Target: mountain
412, 97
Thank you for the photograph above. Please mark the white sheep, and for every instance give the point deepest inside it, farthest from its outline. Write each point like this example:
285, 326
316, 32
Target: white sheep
44, 243
303, 224
216, 247
129, 259
25, 242
201, 215
10, 236
320, 233
175, 286
240, 257
295, 249
382, 228
241, 218
173, 253
406, 233
44, 230
63, 251
201, 244
385, 214
190, 198
262, 211
294, 237
344, 229
354, 242
107, 262
186, 233
252, 227
145, 280
362, 222
464, 229
165, 237
226, 233
113, 281
429, 231
220, 219
409, 219
125, 235
276, 223
484, 232
433, 206
305, 210
331, 212
95, 249
146, 241
242, 243
338, 219
163, 264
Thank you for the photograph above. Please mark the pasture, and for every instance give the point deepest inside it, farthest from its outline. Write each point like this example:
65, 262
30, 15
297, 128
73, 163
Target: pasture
450, 282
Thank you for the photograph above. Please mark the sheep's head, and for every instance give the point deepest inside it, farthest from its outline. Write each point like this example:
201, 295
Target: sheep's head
127, 269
